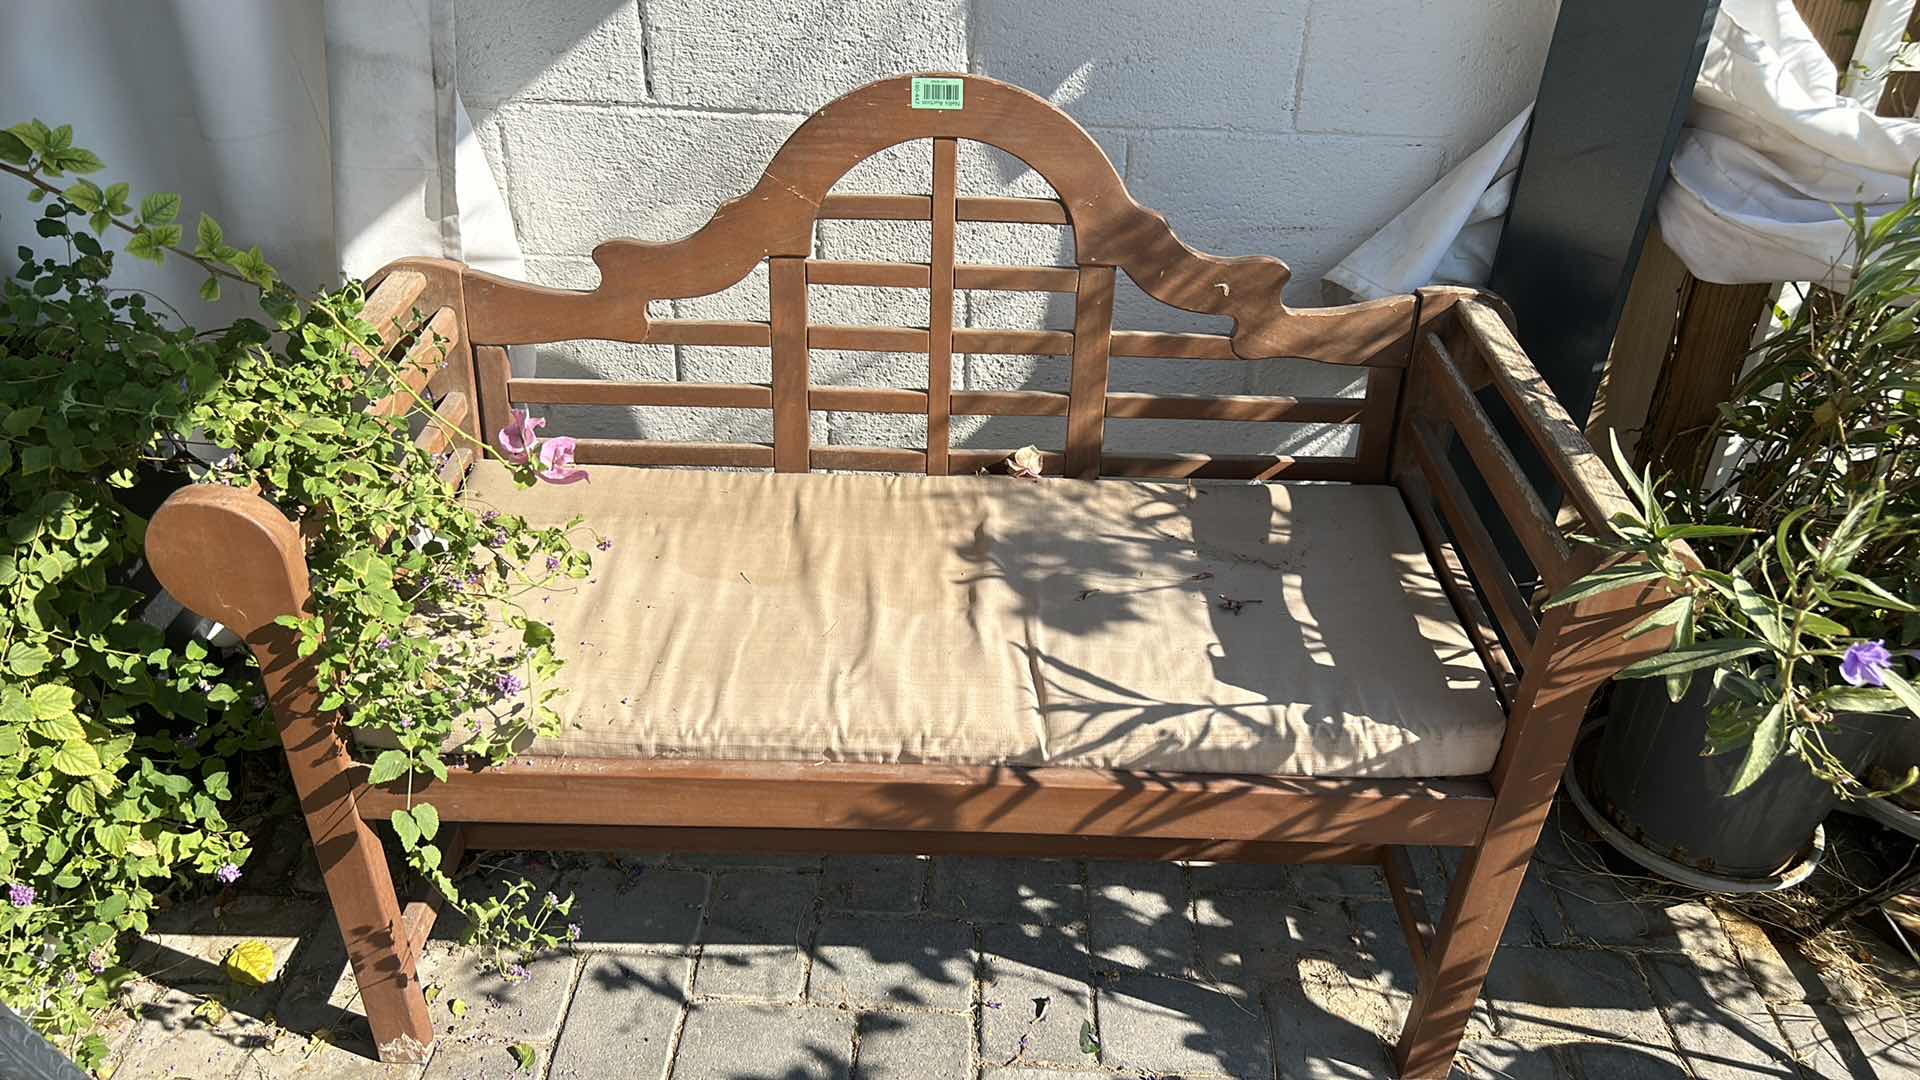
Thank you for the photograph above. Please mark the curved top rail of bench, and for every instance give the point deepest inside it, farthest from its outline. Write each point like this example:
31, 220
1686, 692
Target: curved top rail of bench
776, 219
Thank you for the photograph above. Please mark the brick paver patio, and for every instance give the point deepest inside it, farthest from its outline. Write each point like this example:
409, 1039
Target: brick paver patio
774, 968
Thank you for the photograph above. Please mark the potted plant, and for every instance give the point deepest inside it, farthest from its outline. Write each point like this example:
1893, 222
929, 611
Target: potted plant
1796, 571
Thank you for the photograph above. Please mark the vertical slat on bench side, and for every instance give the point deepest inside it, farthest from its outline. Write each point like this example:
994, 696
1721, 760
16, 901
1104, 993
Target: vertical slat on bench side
940, 309
787, 309
1087, 397
494, 370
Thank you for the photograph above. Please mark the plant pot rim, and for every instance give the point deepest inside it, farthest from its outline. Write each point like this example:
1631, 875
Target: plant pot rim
1586, 751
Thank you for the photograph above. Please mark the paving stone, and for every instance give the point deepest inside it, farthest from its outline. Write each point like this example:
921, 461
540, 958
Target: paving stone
1325, 1026
185, 946
1772, 973
1718, 1018
1382, 962
1242, 877
1599, 911
525, 1011
1139, 917
745, 860
1170, 1025
480, 1060
1339, 879
913, 1046
1015, 1072
1245, 938
173, 1036
1008, 890
1830, 1042
1603, 1060
873, 882
1503, 1059
733, 1042
322, 1014
296, 1057
756, 933
1559, 995
633, 907
866, 959
622, 1018
1019, 966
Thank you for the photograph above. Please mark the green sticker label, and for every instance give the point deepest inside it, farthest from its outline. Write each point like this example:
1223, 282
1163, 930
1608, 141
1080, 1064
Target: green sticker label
938, 93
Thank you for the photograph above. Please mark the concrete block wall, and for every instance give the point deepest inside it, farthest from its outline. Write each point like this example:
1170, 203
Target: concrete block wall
1292, 128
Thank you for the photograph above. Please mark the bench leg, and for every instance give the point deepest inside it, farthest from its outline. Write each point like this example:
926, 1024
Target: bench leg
1478, 903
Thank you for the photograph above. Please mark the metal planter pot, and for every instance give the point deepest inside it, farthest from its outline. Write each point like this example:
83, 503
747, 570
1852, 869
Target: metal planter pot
1655, 785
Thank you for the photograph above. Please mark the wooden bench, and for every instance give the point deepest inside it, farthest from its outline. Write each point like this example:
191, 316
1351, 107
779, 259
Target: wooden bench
874, 649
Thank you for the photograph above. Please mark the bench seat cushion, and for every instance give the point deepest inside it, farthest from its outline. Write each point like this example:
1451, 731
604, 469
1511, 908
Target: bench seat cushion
1193, 627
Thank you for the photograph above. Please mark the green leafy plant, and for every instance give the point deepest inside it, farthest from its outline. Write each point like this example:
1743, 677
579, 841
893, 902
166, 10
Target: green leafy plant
120, 751
1801, 590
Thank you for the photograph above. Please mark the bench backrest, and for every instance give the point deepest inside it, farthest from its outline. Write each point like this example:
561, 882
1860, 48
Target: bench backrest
774, 223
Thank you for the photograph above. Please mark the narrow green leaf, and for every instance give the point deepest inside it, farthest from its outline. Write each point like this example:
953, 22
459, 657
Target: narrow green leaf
1669, 614
1769, 738
1606, 580
1902, 689
1858, 699
1692, 657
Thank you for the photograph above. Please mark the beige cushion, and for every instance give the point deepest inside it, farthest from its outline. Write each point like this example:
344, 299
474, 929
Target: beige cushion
991, 620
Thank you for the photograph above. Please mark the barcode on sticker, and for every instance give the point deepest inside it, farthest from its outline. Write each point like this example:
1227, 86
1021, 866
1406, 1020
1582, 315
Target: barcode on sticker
938, 93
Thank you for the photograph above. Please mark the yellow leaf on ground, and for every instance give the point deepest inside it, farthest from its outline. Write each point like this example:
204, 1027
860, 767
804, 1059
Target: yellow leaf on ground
250, 963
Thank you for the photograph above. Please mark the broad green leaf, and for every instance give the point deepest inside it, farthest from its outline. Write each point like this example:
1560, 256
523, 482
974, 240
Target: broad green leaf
77, 759
13, 150
60, 729
28, 660
1693, 657
403, 825
428, 818
160, 208
14, 707
389, 765
143, 245
525, 1057
210, 289
51, 700
1769, 738
208, 238
86, 195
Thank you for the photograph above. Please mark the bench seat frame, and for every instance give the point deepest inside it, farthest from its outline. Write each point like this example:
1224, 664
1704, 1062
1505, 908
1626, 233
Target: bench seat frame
231, 556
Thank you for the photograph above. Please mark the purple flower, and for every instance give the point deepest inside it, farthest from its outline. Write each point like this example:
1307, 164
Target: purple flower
21, 895
518, 438
98, 959
490, 516
509, 684
573, 931
1865, 662
553, 562
498, 539
518, 973
556, 462
227, 874
605, 544
384, 643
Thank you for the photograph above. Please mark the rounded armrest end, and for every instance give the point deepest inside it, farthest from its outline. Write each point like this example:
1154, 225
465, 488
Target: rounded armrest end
228, 554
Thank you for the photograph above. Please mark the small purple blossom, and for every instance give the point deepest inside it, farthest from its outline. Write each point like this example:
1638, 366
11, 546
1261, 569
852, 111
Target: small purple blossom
99, 958
1865, 663
475, 580
384, 643
490, 516
518, 973
509, 684
553, 562
21, 895
605, 544
227, 874
573, 931
498, 539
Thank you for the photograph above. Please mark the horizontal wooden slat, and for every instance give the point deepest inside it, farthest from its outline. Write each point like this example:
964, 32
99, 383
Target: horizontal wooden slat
1009, 403
1328, 410
422, 361
875, 399
389, 310
1052, 462
868, 458
709, 332
498, 836
1519, 502
877, 274
1230, 467
1470, 535
616, 392
920, 208
1062, 279
868, 338
450, 413
949, 798
1013, 342
965, 276
1172, 346
652, 452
